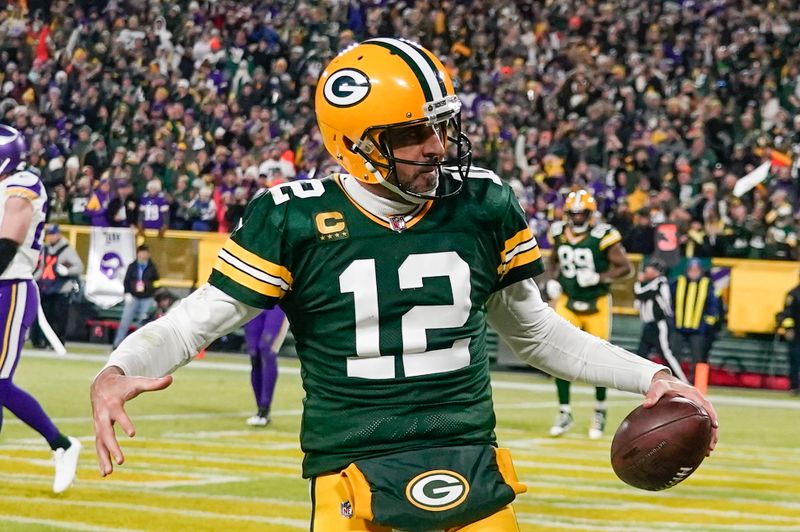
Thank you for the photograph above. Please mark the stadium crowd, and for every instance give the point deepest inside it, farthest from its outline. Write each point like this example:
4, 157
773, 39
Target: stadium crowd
173, 114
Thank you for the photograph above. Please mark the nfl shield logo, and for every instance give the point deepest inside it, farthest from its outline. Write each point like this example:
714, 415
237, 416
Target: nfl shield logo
347, 510
397, 223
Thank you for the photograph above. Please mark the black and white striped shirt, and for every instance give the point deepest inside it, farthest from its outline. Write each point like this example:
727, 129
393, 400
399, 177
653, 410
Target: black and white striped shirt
653, 299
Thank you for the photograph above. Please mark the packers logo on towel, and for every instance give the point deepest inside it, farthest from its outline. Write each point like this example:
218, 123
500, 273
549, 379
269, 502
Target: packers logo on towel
437, 490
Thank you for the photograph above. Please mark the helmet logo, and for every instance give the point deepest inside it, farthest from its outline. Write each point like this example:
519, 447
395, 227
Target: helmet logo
346, 87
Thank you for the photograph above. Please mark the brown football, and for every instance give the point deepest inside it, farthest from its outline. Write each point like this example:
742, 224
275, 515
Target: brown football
656, 448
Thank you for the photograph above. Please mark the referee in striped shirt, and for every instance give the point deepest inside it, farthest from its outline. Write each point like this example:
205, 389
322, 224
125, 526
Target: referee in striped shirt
654, 301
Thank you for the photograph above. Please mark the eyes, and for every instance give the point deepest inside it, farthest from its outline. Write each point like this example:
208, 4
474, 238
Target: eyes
418, 134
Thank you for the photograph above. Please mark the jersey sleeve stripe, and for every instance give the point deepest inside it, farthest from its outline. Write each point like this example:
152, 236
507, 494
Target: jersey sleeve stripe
521, 259
23, 192
256, 262
610, 239
247, 281
512, 243
253, 272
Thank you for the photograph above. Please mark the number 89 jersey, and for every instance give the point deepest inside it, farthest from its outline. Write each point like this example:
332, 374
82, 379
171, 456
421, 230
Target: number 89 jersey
388, 314
25, 185
586, 252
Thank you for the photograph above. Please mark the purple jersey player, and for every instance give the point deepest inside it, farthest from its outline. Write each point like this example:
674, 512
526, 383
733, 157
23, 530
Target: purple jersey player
23, 204
263, 337
154, 208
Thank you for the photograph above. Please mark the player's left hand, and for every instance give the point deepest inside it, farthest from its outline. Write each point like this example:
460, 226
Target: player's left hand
587, 278
664, 383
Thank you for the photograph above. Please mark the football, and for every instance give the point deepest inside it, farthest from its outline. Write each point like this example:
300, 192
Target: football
656, 448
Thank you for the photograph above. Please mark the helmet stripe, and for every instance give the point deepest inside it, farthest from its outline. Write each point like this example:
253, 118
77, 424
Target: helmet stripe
419, 63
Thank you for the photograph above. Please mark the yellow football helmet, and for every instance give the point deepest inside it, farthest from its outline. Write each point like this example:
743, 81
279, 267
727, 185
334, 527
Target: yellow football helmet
373, 88
580, 208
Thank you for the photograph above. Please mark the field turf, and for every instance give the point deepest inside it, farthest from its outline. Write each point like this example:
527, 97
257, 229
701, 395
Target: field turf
195, 466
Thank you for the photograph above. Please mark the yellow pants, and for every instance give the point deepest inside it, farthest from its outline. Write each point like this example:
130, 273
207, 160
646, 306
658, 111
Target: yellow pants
329, 493
597, 323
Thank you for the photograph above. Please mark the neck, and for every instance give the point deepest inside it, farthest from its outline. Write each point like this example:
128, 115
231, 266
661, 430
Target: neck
376, 199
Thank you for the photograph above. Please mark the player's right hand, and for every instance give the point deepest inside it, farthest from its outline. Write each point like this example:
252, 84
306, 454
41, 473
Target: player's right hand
109, 392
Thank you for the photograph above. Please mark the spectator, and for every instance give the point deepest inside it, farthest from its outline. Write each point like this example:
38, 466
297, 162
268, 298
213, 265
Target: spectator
642, 237
202, 211
123, 208
164, 300
97, 206
141, 281
79, 197
697, 315
154, 208
57, 277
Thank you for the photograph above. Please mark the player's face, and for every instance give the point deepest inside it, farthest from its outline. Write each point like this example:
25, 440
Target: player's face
579, 219
420, 143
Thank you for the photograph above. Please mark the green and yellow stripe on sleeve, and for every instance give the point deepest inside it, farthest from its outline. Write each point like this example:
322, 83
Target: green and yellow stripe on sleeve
520, 258
612, 237
241, 273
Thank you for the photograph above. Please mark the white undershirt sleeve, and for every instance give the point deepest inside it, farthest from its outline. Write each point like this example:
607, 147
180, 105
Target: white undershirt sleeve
164, 345
543, 339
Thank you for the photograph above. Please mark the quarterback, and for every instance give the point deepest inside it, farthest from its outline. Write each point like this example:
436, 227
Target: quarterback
388, 274
587, 256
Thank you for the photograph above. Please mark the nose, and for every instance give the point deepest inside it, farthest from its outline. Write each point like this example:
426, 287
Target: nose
433, 147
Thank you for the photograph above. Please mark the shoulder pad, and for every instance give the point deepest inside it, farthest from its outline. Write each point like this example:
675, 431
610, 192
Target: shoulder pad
600, 230
23, 179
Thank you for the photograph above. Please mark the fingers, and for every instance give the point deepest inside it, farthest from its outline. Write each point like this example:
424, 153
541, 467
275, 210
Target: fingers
661, 387
126, 424
145, 384
105, 443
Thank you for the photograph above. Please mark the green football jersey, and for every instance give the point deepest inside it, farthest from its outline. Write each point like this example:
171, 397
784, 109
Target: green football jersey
587, 253
389, 315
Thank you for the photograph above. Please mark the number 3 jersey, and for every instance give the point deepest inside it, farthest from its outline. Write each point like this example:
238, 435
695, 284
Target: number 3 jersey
25, 185
586, 252
388, 314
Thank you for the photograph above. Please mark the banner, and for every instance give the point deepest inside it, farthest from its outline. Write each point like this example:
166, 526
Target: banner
110, 251
746, 183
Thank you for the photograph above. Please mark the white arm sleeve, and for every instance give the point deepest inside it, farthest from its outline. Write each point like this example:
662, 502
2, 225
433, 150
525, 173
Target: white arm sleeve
543, 339
164, 345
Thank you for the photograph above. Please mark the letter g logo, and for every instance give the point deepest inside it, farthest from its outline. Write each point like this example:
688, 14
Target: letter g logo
346, 87
437, 491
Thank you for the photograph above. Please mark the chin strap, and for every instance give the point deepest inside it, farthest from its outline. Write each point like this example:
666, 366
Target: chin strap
8, 248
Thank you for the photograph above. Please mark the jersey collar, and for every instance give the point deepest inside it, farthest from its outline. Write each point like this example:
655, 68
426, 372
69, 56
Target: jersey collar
392, 214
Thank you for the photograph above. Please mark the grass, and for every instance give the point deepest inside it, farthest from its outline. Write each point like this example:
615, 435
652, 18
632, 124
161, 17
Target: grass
194, 465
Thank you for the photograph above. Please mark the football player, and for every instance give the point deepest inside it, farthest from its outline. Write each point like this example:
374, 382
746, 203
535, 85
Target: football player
587, 256
23, 204
387, 274
263, 338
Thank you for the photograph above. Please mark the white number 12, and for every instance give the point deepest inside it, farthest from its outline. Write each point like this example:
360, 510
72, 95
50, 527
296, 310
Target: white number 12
360, 279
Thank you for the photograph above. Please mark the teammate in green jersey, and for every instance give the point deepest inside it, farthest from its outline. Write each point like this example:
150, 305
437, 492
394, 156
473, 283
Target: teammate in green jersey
388, 274
587, 256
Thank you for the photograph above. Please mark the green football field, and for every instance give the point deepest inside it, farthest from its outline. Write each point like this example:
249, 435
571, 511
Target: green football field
196, 466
